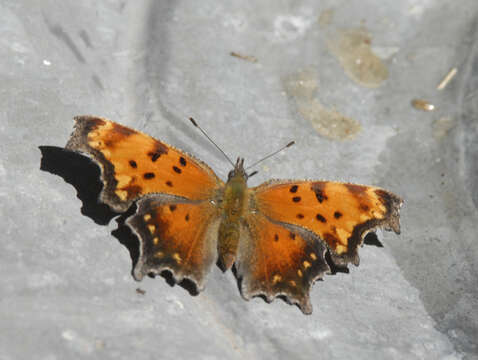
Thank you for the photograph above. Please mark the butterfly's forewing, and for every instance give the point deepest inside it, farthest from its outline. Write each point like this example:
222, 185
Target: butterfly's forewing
176, 235
340, 214
279, 260
134, 164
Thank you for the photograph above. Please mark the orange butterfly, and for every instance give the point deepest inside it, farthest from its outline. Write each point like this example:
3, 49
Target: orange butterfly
276, 234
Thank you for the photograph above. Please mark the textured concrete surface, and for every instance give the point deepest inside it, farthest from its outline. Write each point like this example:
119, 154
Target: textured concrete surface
66, 289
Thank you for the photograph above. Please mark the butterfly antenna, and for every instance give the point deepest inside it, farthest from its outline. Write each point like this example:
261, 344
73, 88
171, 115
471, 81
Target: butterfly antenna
268, 156
207, 136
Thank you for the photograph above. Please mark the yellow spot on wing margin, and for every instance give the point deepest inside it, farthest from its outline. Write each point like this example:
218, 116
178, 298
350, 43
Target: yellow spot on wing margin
123, 180
177, 258
151, 228
122, 194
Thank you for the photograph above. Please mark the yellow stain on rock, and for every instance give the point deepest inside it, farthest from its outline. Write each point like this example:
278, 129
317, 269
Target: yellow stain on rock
352, 47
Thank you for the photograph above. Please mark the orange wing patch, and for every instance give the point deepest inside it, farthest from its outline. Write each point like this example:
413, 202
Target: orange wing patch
177, 236
279, 260
134, 164
341, 214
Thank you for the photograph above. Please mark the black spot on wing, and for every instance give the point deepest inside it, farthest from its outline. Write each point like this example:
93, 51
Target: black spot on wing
318, 189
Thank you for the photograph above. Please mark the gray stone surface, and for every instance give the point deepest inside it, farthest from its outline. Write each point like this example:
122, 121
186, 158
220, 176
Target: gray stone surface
66, 289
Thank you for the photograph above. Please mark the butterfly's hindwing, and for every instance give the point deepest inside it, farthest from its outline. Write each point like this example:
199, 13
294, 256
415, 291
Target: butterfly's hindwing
277, 259
177, 235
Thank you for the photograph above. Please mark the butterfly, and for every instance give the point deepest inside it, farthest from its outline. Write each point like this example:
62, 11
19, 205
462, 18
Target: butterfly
276, 234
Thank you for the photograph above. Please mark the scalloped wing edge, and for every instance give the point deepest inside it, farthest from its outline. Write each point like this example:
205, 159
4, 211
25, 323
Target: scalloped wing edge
79, 142
391, 222
141, 268
304, 303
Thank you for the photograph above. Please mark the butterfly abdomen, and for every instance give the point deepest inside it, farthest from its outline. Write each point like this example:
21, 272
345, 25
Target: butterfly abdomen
234, 201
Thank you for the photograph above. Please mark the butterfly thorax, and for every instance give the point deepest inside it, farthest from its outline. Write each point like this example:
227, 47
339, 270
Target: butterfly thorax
233, 202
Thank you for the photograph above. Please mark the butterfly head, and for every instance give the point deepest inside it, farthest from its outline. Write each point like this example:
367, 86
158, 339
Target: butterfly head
238, 172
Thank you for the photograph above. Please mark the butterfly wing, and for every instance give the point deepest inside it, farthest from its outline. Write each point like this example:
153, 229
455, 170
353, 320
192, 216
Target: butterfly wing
276, 259
134, 164
175, 222
176, 235
340, 214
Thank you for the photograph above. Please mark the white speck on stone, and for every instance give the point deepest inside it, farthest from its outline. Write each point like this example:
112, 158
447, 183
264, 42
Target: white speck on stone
45, 279
237, 22
175, 306
288, 27
418, 7
68, 335
46, 62
19, 48
321, 334
385, 52
77, 342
